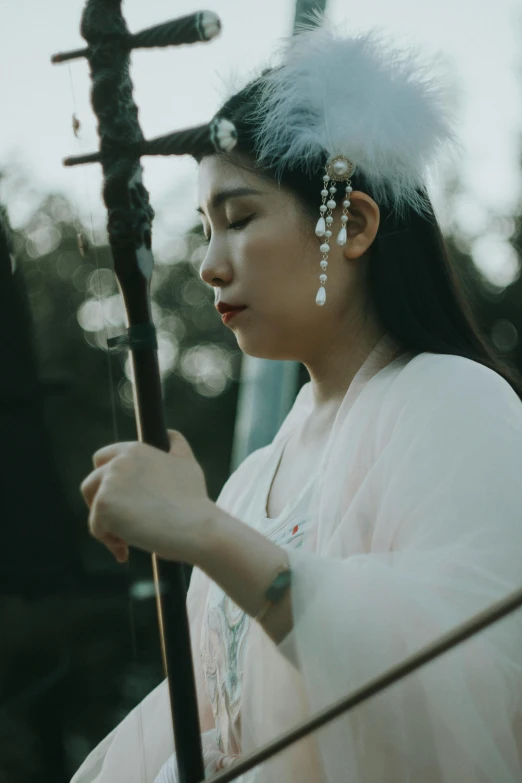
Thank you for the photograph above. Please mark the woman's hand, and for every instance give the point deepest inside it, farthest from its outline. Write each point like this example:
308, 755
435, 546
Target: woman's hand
141, 496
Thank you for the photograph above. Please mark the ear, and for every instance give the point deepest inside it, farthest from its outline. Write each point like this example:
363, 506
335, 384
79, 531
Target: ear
363, 223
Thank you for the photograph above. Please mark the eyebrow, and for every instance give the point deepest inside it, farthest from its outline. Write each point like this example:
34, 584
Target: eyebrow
221, 196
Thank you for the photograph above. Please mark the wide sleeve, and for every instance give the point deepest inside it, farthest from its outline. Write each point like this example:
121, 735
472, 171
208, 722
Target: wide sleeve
440, 512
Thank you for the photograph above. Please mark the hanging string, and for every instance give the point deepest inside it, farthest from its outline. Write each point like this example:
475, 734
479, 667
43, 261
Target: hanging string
76, 125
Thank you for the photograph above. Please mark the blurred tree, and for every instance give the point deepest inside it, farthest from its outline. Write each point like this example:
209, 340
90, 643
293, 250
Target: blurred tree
37, 555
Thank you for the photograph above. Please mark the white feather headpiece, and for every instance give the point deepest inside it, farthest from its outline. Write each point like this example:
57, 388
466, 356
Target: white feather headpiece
382, 108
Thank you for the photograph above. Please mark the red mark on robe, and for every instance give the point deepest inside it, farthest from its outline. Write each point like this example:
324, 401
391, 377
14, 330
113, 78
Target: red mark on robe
294, 531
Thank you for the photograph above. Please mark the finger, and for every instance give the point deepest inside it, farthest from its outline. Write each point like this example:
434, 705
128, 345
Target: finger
90, 486
108, 453
116, 546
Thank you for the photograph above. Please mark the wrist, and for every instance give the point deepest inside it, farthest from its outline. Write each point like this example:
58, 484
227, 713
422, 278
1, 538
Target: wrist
244, 563
207, 534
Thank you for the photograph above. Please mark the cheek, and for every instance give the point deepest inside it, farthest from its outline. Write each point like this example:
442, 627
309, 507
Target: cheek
261, 251
277, 250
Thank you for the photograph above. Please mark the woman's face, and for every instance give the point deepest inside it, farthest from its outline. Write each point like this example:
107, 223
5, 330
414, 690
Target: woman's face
263, 253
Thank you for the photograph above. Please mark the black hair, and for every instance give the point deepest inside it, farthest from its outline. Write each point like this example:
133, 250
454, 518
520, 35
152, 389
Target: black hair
418, 295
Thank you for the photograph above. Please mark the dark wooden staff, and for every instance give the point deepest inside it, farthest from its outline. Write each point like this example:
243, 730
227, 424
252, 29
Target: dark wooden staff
130, 217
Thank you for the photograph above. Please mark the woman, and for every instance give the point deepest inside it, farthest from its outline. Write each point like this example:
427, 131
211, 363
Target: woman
388, 508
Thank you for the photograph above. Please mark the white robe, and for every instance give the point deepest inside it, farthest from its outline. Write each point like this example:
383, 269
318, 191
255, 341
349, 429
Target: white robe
415, 526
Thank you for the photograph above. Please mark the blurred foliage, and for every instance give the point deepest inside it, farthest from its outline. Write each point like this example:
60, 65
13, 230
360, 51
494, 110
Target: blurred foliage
76, 305
108, 629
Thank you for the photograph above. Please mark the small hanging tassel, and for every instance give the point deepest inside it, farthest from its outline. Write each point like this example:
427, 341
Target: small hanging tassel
320, 299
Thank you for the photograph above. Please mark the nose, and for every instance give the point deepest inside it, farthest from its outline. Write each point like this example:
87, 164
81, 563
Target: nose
215, 269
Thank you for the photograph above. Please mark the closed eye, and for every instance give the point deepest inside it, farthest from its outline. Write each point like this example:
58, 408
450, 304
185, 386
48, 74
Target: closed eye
236, 226
241, 223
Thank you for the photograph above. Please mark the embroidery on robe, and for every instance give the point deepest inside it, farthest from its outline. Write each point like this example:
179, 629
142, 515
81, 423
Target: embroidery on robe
223, 639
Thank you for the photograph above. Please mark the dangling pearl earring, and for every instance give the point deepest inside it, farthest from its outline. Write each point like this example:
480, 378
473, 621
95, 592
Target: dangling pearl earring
339, 169
323, 229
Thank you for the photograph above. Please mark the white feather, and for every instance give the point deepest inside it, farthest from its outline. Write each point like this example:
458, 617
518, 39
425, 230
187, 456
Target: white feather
383, 108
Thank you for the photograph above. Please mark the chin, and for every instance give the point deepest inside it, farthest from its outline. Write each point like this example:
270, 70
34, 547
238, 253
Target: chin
265, 344
264, 351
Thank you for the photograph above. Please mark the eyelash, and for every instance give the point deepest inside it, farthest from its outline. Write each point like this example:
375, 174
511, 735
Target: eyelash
233, 226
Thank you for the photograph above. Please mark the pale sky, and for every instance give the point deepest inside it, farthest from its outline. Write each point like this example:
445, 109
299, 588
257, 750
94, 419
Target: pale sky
177, 88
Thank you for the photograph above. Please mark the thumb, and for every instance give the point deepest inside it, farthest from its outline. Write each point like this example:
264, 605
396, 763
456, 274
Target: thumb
179, 445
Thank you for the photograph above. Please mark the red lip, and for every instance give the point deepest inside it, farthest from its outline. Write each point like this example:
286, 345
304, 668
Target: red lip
227, 316
224, 307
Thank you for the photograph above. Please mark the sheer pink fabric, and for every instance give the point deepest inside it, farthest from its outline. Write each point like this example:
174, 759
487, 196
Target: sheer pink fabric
415, 524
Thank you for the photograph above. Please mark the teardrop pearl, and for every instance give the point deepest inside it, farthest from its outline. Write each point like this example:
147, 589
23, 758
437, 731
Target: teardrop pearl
320, 299
341, 237
320, 227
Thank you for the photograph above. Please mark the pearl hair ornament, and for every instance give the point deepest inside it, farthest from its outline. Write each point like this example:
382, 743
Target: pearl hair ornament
338, 169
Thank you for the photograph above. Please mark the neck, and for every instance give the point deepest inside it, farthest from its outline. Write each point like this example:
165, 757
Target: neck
332, 374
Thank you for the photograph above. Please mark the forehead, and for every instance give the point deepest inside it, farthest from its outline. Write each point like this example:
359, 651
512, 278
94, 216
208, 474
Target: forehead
217, 173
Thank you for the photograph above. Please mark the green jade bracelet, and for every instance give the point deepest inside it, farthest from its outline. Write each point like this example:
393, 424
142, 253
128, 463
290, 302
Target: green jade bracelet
275, 592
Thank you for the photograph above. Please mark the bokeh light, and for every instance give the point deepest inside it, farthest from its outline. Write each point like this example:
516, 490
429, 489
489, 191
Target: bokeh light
208, 367
504, 335
496, 259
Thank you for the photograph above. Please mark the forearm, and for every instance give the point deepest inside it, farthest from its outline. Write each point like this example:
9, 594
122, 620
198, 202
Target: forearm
244, 563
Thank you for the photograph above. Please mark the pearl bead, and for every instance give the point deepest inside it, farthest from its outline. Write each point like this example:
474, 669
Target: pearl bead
333, 190
329, 220
324, 263
344, 218
323, 278
323, 209
320, 299
326, 178
340, 167
324, 193
331, 204
328, 234
325, 248
346, 204
349, 189
320, 228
